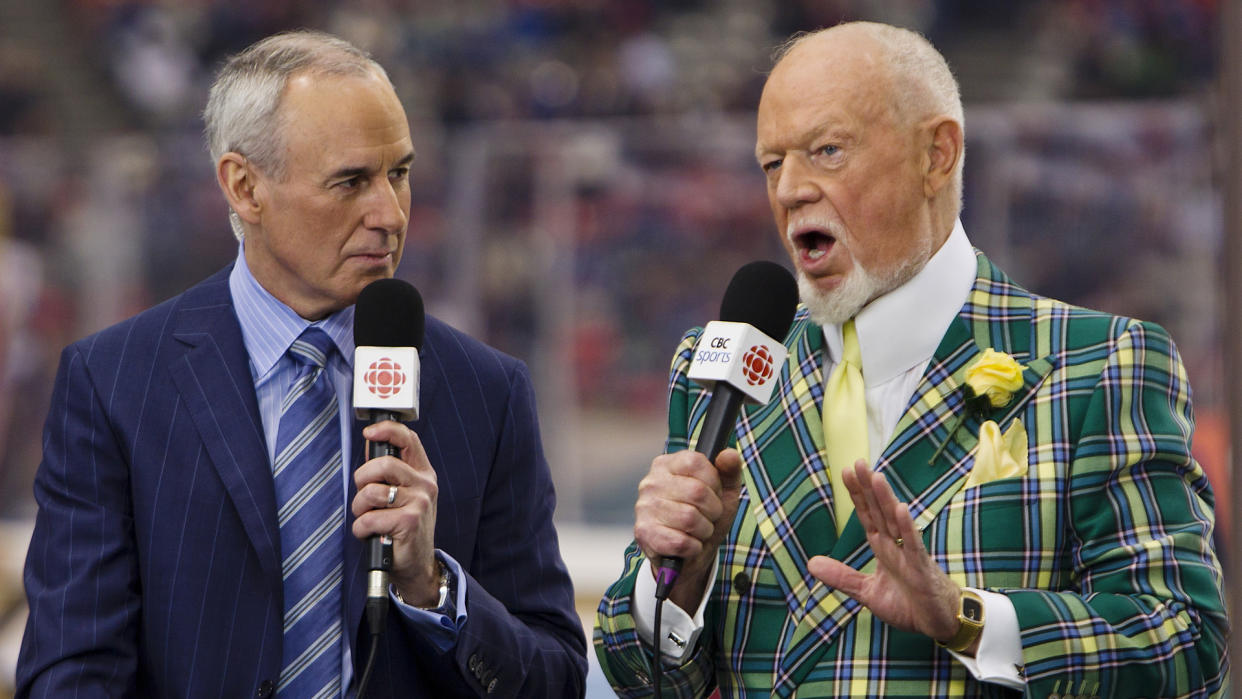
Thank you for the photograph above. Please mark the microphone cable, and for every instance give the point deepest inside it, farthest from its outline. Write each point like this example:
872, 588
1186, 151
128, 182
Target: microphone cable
379, 564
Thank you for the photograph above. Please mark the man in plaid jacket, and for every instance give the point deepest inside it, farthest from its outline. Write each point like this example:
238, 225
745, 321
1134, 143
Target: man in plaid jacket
1043, 532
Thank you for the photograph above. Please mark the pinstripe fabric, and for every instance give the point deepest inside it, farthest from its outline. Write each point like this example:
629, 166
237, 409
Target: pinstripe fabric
1103, 547
311, 516
154, 569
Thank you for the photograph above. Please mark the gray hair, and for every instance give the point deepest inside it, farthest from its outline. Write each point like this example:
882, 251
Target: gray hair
243, 108
923, 84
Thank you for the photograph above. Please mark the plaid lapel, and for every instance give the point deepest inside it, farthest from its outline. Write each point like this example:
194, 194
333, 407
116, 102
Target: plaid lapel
786, 475
782, 444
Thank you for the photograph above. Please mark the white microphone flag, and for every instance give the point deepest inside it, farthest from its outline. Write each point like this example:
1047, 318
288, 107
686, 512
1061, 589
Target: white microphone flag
740, 355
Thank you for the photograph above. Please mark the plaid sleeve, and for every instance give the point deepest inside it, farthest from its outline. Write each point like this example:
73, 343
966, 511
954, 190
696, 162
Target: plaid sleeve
624, 658
1146, 616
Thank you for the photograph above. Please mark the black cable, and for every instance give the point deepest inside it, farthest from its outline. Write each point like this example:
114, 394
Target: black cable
657, 667
366, 672
377, 611
379, 563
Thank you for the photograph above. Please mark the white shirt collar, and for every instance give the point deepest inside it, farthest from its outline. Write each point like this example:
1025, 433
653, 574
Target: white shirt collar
902, 329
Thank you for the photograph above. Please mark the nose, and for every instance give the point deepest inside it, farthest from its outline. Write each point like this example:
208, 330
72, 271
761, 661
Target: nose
388, 207
795, 186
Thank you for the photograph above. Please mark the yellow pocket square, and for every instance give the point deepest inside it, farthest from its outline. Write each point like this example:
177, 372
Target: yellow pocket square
998, 456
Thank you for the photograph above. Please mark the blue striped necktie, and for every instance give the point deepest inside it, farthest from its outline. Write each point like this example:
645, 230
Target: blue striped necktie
312, 518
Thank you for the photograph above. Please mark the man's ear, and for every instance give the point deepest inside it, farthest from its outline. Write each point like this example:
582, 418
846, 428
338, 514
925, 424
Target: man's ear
944, 152
238, 180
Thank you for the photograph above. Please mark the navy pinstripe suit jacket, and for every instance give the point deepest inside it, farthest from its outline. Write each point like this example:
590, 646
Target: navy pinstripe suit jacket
154, 569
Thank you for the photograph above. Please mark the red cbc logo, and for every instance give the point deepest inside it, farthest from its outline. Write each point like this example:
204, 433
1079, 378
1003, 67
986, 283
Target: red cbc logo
757, 365
384, 377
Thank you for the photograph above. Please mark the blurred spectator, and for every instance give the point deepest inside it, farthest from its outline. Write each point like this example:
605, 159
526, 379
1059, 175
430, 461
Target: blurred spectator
23, 104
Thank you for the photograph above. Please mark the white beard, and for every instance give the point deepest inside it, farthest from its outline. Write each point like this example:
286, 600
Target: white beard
859, 288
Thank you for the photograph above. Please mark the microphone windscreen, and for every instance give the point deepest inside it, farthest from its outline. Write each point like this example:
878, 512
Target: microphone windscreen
389, 313
763, 294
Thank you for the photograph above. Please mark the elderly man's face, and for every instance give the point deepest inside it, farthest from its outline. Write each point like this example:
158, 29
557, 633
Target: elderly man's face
844, 180
336, 220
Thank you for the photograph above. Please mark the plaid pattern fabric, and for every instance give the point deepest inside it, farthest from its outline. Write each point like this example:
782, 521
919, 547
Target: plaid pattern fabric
1104, 546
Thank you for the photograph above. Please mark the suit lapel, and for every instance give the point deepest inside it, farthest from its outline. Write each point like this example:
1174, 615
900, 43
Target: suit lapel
787, 478
213, 378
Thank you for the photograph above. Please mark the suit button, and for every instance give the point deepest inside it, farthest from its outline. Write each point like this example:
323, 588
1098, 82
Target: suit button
741, 581
265, 689
491, 686
473, 662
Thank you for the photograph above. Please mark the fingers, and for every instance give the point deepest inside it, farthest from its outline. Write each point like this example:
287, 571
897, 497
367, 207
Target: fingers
383, 496
400, 469
885, 519
416, 490
729, 469
836, 574
680, 502
412, 511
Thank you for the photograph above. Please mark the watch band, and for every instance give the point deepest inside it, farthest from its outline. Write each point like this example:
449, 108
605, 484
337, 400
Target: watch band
445, 584
969, 620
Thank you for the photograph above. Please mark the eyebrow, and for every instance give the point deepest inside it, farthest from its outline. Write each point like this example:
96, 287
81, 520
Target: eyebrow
359, 171
829, 131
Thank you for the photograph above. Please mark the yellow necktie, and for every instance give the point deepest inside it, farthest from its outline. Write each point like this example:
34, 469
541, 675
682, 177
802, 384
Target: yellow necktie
845, 421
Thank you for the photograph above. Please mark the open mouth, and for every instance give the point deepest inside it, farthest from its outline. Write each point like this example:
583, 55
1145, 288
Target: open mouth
814, 244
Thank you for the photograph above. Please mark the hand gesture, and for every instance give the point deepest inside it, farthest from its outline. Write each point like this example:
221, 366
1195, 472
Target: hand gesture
907, 590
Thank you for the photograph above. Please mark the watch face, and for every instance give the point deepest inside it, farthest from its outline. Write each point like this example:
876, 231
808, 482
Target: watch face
972, 608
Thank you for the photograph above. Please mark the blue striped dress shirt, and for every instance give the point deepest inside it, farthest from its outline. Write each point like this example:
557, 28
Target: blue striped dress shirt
268, 328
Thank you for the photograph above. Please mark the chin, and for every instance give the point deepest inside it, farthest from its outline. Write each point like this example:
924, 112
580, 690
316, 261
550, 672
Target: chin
858, 288
835, 306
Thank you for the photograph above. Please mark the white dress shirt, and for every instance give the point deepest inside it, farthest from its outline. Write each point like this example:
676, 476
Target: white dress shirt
898, 334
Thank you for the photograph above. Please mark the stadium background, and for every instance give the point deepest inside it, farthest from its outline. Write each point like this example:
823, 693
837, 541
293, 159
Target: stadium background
585, 186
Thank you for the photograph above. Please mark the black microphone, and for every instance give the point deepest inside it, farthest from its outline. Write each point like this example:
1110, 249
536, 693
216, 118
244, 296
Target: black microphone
739, 357
388, 330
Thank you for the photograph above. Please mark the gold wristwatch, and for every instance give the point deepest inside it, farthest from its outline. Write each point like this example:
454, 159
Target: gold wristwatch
970, 622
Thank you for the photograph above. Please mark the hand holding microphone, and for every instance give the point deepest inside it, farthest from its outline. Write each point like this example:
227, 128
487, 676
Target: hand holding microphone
395, 508
685, 507
687, 502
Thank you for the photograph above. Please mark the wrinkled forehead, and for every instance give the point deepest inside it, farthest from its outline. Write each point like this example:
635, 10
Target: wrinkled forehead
843, 60
842, 77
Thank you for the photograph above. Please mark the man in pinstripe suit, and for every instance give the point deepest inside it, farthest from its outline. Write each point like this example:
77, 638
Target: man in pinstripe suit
1052, 541
155, 569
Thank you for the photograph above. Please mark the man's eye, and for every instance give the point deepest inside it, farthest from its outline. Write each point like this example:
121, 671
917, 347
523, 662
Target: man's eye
400, 173
771, 166
829, 150
351, 183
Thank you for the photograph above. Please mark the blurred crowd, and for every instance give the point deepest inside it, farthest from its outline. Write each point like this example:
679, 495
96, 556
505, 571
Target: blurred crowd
97, 223
585, 184
515, 59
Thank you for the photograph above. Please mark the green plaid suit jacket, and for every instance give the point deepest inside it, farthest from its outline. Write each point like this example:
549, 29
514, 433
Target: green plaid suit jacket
1104, 546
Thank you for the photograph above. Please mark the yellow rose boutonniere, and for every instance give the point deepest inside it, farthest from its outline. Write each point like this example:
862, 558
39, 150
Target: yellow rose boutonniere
995, 375
990, 383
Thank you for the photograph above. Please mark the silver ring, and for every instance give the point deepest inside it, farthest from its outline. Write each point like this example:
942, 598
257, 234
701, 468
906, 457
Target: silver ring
899, 541
392, 495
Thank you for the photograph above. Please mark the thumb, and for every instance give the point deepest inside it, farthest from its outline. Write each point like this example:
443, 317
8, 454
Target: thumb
729, 466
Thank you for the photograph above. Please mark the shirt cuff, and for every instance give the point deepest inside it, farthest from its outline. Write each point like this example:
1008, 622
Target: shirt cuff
999, 657
681, 631
442, 624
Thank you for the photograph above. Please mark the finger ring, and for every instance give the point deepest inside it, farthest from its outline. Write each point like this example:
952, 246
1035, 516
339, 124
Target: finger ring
899, 541
392, 495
